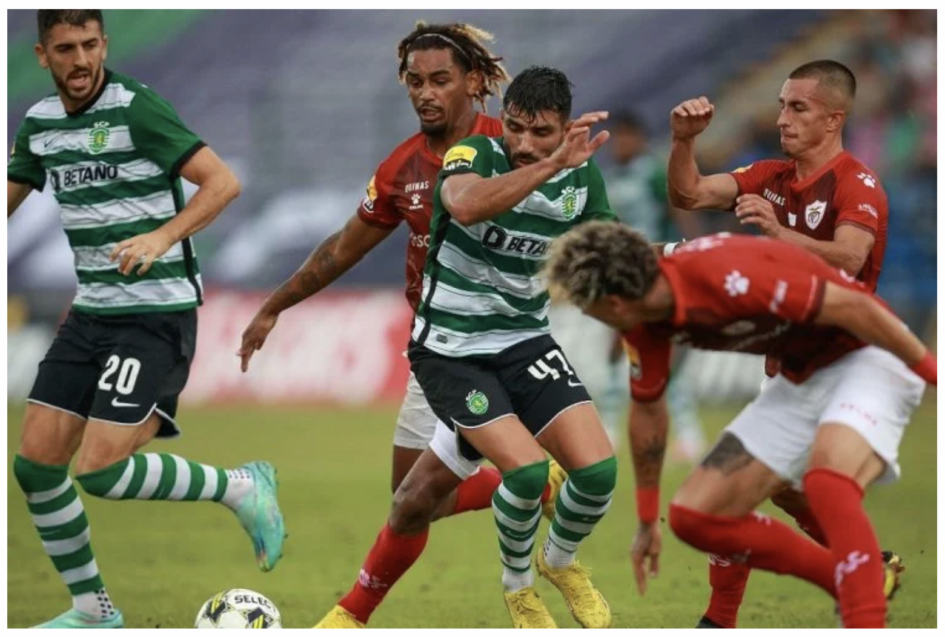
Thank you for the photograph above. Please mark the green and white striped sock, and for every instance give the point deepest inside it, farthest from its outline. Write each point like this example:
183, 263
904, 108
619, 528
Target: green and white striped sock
59, 517
582, 502
517, 508
164, 476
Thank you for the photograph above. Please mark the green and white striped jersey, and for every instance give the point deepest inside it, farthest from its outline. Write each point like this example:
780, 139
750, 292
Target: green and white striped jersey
483, 289
114, 169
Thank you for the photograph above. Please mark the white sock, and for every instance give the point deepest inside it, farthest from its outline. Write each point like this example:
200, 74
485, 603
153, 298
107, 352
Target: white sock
514, 581
96, 604
239, 484
555, 556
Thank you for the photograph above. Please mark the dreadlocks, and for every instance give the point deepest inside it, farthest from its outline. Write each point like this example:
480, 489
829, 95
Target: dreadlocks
469, 51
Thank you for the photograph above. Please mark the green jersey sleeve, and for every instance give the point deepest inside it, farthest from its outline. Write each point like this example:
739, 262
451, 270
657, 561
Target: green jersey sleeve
597, 207
159, 134
24, 167
472, 155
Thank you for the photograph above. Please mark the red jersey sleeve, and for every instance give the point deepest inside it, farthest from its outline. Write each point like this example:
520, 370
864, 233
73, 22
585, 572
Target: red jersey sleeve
377, 208
861, 201
751, 178
649, 355
732, 278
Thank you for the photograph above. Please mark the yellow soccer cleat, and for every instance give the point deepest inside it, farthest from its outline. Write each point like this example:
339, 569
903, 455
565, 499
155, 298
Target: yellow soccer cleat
338, 617
892, 567
587, 605
556, 477
527, 609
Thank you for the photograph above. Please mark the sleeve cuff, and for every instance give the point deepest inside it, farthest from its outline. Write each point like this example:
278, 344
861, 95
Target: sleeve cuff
183, 159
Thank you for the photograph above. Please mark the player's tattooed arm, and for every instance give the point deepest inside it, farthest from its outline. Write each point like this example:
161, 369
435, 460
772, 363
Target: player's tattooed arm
649, 423
333, 257
728, 456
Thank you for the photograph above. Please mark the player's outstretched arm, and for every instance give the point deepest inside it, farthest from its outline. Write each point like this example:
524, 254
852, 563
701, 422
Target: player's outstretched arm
470, 198
16, 193
649, 423
335, 256
864, 317
686, 187
217, 187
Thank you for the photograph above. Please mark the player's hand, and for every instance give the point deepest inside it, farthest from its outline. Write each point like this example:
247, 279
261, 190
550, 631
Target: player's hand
691, 117
646, 547
578, 146
254, 336
143, 249
758, 211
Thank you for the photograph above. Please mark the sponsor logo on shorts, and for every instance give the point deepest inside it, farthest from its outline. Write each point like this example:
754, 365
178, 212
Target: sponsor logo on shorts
477, 402
118, 403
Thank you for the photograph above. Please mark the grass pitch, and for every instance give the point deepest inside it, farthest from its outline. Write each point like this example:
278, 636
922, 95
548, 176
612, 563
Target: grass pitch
162, 560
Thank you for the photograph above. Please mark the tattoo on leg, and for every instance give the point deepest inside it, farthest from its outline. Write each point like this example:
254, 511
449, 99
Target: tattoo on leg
728, 456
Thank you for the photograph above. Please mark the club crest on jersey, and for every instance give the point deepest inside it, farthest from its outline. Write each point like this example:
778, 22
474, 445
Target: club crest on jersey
477, 402
459, 157
98, 137
814, 214
569, 201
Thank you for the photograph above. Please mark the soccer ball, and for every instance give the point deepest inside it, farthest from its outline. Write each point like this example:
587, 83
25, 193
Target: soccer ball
238, 608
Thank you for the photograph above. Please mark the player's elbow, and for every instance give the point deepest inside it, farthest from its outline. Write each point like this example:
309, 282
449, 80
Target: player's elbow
232, 186
464, 215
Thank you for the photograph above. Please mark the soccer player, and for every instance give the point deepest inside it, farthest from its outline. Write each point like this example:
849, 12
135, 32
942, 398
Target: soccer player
113, 152
851, 375
481, 348
821, 199
448, 70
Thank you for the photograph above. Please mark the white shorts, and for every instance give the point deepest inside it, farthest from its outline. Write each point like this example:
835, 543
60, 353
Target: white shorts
419, 428
869, 390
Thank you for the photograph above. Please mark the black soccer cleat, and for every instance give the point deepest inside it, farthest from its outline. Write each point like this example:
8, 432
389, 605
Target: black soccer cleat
705, 622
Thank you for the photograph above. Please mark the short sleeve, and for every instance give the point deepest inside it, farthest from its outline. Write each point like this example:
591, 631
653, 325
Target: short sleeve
377, 207
23, 166
649, 355
751, 178
597, 207
472, 155
159, 134
861, 202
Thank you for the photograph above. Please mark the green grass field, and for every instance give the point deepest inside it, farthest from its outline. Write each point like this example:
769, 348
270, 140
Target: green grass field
161, 561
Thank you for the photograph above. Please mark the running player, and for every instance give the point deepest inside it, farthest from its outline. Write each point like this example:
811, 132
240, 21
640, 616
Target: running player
447, 69
831, 421
113, 152
823, 200
481, 348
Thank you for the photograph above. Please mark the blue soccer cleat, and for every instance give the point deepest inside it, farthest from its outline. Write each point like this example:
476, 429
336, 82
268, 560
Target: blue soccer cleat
73, 618
260, 515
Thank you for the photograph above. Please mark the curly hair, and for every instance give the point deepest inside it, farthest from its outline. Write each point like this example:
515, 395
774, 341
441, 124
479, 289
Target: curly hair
469, 51
600, 258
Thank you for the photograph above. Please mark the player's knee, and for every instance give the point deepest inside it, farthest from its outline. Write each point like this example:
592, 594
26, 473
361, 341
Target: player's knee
414, 507
598, 479
789, 500
527, 482
35, 476
90, 463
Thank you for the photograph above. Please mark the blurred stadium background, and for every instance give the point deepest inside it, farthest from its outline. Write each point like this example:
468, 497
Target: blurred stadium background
305, 104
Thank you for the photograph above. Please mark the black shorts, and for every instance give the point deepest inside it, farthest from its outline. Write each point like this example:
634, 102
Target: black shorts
119, 369
532, 380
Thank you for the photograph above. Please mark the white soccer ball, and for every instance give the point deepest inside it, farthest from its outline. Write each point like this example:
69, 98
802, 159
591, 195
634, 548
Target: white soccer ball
238, 608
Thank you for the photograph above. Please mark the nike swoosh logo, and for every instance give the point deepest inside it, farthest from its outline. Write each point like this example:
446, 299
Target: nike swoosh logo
47, 143
571, 383
118, 403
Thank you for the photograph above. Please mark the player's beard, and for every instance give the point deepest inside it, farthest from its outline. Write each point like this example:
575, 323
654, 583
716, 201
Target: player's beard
433, 129
62, 84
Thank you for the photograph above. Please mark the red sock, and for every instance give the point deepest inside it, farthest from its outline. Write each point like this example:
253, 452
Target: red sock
728, 580
837, 501
475, 492
757, 541
390, 557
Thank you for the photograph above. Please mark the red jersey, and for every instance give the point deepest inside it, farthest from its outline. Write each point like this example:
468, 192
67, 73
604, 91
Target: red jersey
741, 294
402, 190
842, 192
